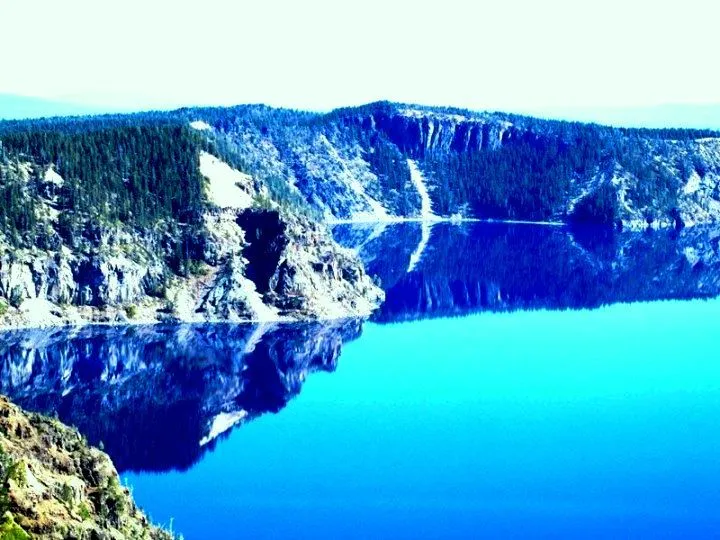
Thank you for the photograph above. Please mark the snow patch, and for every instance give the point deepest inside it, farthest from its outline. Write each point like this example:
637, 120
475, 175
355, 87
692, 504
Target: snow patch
200, 125
426, 212
693, 184
221, 423
52, 177
227, 187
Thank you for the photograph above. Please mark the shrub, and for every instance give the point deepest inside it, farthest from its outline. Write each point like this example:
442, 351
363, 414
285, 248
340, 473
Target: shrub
84, 511
9, 530
197, 268
66, 494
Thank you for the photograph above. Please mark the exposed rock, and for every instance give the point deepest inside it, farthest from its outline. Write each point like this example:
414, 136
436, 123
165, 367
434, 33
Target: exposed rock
55, 486
258, 265
418, 132
114, 280
300, 270
218, 256
234, 297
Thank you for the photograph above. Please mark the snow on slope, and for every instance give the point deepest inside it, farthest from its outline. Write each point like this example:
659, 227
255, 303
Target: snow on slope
426, 212
200, 125
227, 187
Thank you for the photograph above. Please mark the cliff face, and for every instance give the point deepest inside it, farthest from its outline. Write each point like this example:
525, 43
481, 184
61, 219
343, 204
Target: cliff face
55, 486
157, 397
201, 271
418, 133
679, 186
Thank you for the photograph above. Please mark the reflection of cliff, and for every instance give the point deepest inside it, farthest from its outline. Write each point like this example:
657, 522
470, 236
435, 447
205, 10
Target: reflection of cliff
498, 267
157, 397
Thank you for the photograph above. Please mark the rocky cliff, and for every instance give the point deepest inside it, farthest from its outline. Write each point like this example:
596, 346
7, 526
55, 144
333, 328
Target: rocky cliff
245, 256
53, 485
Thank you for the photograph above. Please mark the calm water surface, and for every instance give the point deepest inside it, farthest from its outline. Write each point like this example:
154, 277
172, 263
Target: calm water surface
518, 382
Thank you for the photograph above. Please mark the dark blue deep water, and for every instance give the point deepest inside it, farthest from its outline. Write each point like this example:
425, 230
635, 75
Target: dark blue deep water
519, 382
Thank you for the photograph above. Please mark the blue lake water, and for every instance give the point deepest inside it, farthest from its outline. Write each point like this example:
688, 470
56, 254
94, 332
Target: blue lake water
519, 382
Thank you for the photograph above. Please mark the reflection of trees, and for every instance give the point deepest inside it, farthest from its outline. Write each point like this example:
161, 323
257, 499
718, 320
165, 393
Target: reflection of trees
153, 394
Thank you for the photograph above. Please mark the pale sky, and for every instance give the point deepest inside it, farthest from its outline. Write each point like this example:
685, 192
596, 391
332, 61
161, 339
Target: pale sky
320, 54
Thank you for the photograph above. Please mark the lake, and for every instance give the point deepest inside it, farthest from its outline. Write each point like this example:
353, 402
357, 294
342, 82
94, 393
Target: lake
519, 381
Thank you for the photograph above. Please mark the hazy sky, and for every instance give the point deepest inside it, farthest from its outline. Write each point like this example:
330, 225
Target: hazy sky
321, 54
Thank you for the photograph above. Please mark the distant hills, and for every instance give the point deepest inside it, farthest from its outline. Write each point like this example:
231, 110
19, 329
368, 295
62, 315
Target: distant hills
14, 107
702, 116
678, 115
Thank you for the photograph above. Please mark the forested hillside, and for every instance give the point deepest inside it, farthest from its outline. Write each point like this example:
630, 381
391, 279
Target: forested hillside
356, 163
212, 213
145, 217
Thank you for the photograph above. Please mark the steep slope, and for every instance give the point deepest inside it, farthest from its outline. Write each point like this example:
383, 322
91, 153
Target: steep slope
141, 216
508, 167
55, 486
353, 164
135, 218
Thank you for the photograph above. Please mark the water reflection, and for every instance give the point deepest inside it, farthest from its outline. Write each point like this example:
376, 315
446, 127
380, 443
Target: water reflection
501, 267
158, 397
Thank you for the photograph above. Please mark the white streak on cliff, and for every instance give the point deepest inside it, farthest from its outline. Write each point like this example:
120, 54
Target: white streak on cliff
426, 212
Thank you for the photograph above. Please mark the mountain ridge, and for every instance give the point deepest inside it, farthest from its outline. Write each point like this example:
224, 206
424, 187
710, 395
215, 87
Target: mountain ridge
209, 213
19, 107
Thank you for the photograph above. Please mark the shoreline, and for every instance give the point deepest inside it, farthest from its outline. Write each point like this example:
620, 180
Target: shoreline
77, 321
150, 323
438, 219
628, 226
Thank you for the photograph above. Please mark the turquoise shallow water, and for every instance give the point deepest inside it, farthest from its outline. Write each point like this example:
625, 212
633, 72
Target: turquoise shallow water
599, 423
